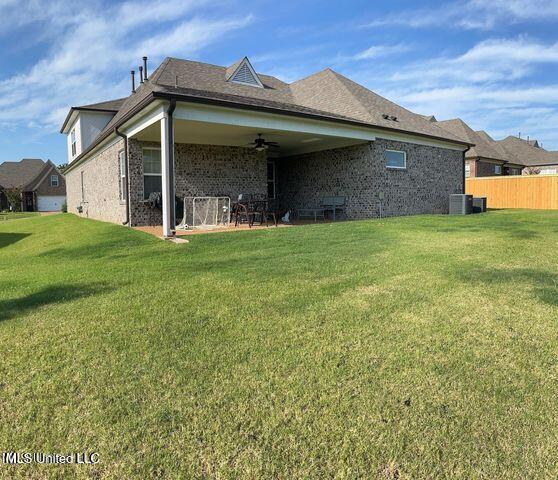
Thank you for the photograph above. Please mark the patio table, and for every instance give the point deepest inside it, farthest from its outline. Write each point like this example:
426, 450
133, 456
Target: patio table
311, 212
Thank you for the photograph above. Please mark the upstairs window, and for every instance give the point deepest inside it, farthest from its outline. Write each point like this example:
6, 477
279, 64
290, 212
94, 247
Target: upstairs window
53, 182
395, 159
73, 142
151, 171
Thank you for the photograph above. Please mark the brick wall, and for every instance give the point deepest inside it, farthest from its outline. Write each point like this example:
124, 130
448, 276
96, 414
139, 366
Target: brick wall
101, 182
473, 167
359, 174
200, 170
485, 169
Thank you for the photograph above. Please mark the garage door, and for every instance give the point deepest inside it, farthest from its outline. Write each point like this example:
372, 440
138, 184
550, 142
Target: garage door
50, 204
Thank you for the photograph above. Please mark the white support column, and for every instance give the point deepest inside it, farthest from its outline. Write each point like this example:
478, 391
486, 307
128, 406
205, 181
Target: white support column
167, 164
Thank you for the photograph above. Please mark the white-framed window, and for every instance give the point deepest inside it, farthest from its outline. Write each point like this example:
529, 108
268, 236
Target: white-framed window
271, 179
151, 171
395, 159
122, 175
82, 187
73, 142
498, 169
53, 181
467, 169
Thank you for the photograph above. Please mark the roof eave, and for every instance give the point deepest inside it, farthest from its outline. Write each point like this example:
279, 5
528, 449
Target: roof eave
212, 101
84, 109
138, 108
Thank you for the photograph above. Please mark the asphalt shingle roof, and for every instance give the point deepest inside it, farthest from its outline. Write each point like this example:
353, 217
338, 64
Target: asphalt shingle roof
20, 174
326, 94
484, 145
523, 152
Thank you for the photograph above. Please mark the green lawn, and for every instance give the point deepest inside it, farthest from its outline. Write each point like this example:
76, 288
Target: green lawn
418, 347
16, 215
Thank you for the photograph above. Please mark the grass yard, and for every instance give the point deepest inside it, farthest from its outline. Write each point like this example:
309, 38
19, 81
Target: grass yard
17, 215
419, 347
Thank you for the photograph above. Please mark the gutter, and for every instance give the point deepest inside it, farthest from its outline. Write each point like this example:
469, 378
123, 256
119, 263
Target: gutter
126, 170
140, 106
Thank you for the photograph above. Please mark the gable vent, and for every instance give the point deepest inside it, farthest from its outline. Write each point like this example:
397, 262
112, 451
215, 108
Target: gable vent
244, 75
242, 72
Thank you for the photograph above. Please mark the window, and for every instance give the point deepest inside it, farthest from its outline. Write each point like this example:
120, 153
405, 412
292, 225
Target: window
53, 182
82, 188
73, 142
395, 159
467, 169
151, 171
498, 169
122, 175
271, 179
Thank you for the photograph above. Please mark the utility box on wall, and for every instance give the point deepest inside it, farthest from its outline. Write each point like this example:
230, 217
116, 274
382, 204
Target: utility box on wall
461, 204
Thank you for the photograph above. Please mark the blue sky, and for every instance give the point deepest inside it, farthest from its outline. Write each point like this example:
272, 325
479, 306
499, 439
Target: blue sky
492, 63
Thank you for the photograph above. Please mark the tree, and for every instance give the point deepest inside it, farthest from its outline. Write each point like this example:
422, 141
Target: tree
13, 194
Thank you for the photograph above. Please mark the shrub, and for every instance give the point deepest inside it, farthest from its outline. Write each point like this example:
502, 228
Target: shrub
65, 207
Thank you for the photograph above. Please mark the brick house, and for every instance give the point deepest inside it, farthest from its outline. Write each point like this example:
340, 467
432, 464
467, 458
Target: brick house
510, 156
488, 157
189, 130
40, 185
534, 158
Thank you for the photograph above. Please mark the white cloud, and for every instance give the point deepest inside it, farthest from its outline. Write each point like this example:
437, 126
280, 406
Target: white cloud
495, 86
490, 61
377, 51
473, 14
90, 58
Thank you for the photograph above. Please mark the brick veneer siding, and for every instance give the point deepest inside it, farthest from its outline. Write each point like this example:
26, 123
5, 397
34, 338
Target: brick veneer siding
485, 169
356, 172
200, 170
101, 185
473, 168
359, 174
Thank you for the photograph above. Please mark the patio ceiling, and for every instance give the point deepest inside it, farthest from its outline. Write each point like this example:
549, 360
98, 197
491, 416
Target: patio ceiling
290, 143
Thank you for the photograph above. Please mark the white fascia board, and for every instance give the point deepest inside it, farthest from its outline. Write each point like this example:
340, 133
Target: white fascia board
273, 121
150, 115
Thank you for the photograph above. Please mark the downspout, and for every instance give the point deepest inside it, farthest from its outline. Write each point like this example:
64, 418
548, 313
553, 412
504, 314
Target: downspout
464, 152
126, 170
170, 136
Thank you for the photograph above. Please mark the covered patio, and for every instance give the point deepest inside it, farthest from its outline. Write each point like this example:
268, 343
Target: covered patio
196, 149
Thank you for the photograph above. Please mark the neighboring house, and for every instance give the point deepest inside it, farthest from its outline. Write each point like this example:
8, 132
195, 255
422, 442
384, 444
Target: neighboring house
531, 155
40, 185
189, 130
487, 158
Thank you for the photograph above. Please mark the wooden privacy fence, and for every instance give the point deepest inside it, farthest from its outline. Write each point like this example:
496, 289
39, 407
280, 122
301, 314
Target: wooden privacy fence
522, 191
